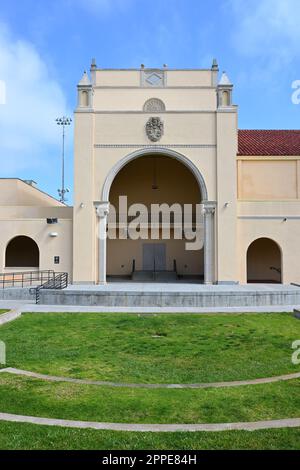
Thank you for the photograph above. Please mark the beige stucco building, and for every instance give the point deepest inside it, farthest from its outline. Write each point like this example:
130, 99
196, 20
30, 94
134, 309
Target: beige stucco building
163, 136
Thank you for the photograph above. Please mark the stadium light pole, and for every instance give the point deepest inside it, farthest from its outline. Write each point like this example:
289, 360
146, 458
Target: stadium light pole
64, 122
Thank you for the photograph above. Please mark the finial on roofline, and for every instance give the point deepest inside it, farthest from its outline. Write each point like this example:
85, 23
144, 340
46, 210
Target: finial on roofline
215, 66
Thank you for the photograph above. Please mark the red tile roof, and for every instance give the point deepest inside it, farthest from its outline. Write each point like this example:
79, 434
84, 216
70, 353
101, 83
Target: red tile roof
278, 142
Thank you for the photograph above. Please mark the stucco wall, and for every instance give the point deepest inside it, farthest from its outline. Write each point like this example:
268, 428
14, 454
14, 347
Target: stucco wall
23, 212
268, 178
121, 253
195, 127
20, 221
277, 220
15, 192
255, 196
264, 261
115, 128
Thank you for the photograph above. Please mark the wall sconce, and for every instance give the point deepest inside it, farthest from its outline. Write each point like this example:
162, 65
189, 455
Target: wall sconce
81, 205
285, 219
52, 221
226, 204
53, 234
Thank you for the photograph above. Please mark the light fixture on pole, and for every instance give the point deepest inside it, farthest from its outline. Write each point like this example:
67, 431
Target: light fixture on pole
63, 121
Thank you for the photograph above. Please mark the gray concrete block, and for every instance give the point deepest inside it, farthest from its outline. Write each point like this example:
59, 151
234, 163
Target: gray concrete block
181, 299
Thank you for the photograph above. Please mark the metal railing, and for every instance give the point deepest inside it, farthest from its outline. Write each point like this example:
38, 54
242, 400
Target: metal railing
133, 267
25, 278
59, 281
175, 267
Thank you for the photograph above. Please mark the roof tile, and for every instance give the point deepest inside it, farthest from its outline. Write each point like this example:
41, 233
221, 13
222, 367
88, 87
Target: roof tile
269, 142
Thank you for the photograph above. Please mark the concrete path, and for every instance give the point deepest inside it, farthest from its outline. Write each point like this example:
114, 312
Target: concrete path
12, 315
157, 310
251, 426
239, 383
30, 307
177, 287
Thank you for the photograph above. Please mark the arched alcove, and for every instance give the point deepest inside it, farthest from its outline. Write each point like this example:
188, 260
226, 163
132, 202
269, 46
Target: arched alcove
22, 252
193, 175
264, 262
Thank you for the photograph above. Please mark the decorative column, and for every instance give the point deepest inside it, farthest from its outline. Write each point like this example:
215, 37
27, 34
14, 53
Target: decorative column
209, 242
102, 210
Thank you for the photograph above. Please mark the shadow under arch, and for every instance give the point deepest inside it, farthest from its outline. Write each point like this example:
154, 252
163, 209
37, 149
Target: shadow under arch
22, 251
152, 151
264, 261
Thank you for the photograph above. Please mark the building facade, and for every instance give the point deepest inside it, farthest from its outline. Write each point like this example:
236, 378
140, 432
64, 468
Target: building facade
161, 136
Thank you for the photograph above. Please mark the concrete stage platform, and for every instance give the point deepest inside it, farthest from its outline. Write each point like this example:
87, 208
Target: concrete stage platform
126, 294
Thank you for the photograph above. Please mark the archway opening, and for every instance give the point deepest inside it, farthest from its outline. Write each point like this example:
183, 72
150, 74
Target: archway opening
149, 180
22, 252
264, 263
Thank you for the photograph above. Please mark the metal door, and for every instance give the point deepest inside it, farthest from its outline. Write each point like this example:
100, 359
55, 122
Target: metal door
154, 257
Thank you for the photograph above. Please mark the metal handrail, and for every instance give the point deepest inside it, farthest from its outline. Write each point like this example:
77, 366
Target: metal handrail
24, 278
133, 266
59, 281
175, 266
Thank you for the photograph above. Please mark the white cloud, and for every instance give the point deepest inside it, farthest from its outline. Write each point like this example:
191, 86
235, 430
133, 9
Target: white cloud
33, 100
267, 29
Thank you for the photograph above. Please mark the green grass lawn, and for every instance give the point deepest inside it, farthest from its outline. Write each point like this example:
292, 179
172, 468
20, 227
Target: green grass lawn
3, 311
149, 349
28, 436
122, 347
22, 395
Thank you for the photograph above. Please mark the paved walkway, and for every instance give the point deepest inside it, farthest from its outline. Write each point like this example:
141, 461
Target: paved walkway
12, 315
176, 287
237, 383
251, 426
31, 307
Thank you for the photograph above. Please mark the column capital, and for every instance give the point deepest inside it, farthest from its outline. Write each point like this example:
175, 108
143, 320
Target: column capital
209, 207
102, 209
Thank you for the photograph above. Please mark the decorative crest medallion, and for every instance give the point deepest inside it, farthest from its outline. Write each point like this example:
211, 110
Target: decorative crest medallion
154, 105
155, 129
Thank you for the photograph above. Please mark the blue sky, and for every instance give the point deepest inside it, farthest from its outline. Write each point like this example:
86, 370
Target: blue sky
45, 46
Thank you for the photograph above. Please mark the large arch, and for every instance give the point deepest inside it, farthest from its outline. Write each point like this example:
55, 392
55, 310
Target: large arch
22, 252
209, 208
264, 261
151, 151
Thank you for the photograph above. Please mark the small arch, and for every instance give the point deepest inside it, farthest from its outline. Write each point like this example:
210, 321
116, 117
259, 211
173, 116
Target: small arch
154, 105
264, 261
153, 151
22, 252
225, 98
84, 99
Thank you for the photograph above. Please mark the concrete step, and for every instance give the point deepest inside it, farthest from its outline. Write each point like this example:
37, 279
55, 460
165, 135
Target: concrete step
166, 296
142, 276
166, 276
150, 276
16, 293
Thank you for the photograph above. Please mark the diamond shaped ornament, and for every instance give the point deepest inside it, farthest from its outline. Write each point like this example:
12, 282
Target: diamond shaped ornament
154, 79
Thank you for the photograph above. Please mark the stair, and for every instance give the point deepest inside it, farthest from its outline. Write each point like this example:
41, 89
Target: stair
151, 276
